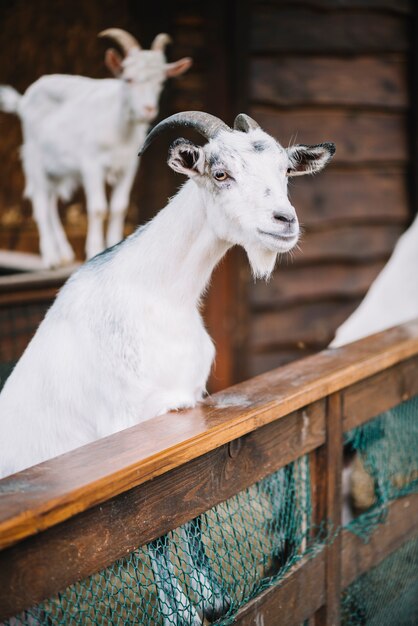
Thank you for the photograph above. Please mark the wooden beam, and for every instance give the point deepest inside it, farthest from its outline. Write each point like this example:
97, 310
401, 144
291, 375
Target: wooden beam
381, 392
99, 471
89, 541
293, 600
400, 525
329, 502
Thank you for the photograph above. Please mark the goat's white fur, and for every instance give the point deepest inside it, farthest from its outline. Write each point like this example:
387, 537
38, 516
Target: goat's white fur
84, 132
393, 297
124, 340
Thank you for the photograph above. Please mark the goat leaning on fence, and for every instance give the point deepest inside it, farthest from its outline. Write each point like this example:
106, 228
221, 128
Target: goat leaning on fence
125, 341
80, 131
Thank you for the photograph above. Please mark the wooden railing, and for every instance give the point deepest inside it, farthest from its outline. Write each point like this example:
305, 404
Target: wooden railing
57, 520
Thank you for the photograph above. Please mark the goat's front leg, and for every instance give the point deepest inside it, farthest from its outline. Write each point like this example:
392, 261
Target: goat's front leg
119, 203
215, 600
175, 607
94, 187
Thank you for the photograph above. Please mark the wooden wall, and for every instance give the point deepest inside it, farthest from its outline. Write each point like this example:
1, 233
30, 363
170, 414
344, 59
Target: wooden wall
50, 36
321, 70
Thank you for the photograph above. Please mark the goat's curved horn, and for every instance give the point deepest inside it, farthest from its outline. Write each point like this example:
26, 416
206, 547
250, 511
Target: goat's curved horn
245, 123
204, 123
126, 41
161, 41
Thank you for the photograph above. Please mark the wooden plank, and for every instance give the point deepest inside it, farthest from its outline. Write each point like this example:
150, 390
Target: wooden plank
101, 470
400, 526
294, 599
348, 243
360, 136
300, 325
35, 280
396, 6
413, 115
364, 196
259, 363
328, 498
381, 392
90, 541
292, 284
365, 81
301, 29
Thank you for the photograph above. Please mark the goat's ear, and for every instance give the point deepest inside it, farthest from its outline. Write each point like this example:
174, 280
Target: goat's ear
178, 67
186, 158
113, 62
309, 159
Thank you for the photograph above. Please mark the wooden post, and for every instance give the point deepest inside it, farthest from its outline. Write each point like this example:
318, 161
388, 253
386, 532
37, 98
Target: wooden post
327, 498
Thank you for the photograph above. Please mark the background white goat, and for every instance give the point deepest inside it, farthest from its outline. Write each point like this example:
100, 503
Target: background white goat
80, 131
124, 340
393, 297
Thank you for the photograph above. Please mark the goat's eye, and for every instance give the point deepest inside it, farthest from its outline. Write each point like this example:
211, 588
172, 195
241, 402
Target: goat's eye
220, 176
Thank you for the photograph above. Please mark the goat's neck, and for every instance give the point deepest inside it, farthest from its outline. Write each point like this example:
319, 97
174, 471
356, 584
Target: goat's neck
178, 250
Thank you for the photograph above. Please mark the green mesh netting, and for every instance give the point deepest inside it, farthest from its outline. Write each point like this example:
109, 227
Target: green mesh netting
215, 564
387, 595
385, 469
248, 542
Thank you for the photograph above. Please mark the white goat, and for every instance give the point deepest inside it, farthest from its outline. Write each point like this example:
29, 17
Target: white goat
80, 131
393, 297
124, 340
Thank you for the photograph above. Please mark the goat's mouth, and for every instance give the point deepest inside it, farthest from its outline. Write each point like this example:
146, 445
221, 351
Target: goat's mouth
285, 241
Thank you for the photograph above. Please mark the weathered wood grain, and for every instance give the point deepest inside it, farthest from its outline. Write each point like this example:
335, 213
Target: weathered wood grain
397, 6
292, 601
359, 135
292, 284
303, 324
364, 81
51, 492
364, 196
345, 243
381, 392
327, 490
400, 525
302, 591
301, 29
261, 362
91, 540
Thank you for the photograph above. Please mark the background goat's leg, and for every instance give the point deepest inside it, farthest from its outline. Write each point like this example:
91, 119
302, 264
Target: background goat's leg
119, 203
47, 243
65, 250
94, 187
203, 580
175, 607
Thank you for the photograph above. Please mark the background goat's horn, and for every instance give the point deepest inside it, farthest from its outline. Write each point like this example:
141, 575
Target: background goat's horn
205, 124
126, 41
245, 123
161, 41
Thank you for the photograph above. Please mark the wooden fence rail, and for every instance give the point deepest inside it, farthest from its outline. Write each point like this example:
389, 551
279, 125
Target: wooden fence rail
69, 517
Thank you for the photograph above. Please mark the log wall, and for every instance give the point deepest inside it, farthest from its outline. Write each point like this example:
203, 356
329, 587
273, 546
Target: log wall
327, 71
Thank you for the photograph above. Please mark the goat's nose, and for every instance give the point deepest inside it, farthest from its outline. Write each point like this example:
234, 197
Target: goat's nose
286, 218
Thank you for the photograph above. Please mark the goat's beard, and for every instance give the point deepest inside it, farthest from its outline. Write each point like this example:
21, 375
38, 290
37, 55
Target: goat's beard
262, 261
